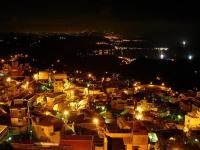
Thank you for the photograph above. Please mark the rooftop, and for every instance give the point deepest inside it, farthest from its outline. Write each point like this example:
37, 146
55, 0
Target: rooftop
2, 128
45, 120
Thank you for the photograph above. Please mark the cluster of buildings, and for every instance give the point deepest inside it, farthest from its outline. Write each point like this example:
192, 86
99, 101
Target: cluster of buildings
84, 112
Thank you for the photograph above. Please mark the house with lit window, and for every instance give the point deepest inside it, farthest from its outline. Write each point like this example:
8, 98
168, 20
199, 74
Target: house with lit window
19, 116
192, 120
47, 128
58, 82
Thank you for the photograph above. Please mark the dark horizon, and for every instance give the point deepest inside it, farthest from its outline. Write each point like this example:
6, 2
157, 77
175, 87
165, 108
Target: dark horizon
129, 18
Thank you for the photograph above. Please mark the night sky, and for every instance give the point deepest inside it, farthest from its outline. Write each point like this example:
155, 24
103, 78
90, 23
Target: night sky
129, 18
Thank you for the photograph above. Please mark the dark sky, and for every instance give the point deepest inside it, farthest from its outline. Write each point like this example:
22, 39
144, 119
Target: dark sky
138, 18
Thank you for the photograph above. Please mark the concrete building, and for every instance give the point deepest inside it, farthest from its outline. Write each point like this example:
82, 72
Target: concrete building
43, 75
192, 120
134, 137
19, 116
146, 106
47, 128
58, 82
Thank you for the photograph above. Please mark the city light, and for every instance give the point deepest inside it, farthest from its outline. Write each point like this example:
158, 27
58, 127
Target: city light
185, 129
139, 116
47, 113
184, 43
89, 75
9, 138
190, 57
72, 92
66, 113
2, 60
139, 109
95, 121
126, 92
163, 84
162, 56
8, 79
35, 76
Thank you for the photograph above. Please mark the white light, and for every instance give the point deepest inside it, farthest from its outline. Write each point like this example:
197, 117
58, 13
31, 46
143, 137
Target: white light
10, 138
190, 57
196, 140
162, 56
184, 43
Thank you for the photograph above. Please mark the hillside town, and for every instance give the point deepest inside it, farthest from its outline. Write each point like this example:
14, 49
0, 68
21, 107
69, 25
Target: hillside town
46, 109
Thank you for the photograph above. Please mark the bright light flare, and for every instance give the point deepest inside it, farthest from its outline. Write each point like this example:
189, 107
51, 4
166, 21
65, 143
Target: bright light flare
139, 109
139, 116
96, 121
8, 79
162, 56
184, 43
190, 57
66, 113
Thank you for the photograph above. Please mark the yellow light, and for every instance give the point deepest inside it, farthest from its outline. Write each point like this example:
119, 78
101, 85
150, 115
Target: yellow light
35, 76
151, 83
66, 112
95, 121
55, 107
88, 85
8, 79
2, 60
72, 92
163, 84
172, 139
89, 75
47, 113
139, 116
185, 129
125, 91
139, 109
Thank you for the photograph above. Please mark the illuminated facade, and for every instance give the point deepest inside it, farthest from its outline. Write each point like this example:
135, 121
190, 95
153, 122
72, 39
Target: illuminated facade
192, 120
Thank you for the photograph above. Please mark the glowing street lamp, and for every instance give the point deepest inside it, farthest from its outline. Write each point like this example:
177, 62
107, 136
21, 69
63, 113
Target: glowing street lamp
89, 75
8, 79
184, 43
72, 92
162, 56
163, 84
66, 113
139, 116
96, 121
190, 57
139, 109
35, 76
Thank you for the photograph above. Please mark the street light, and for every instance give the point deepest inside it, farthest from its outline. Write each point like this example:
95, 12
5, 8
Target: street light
139, 116
184, 43
8, 79
66, 113
89, 75
35, 76
190, 57
96, 121
139, 109
162, 56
